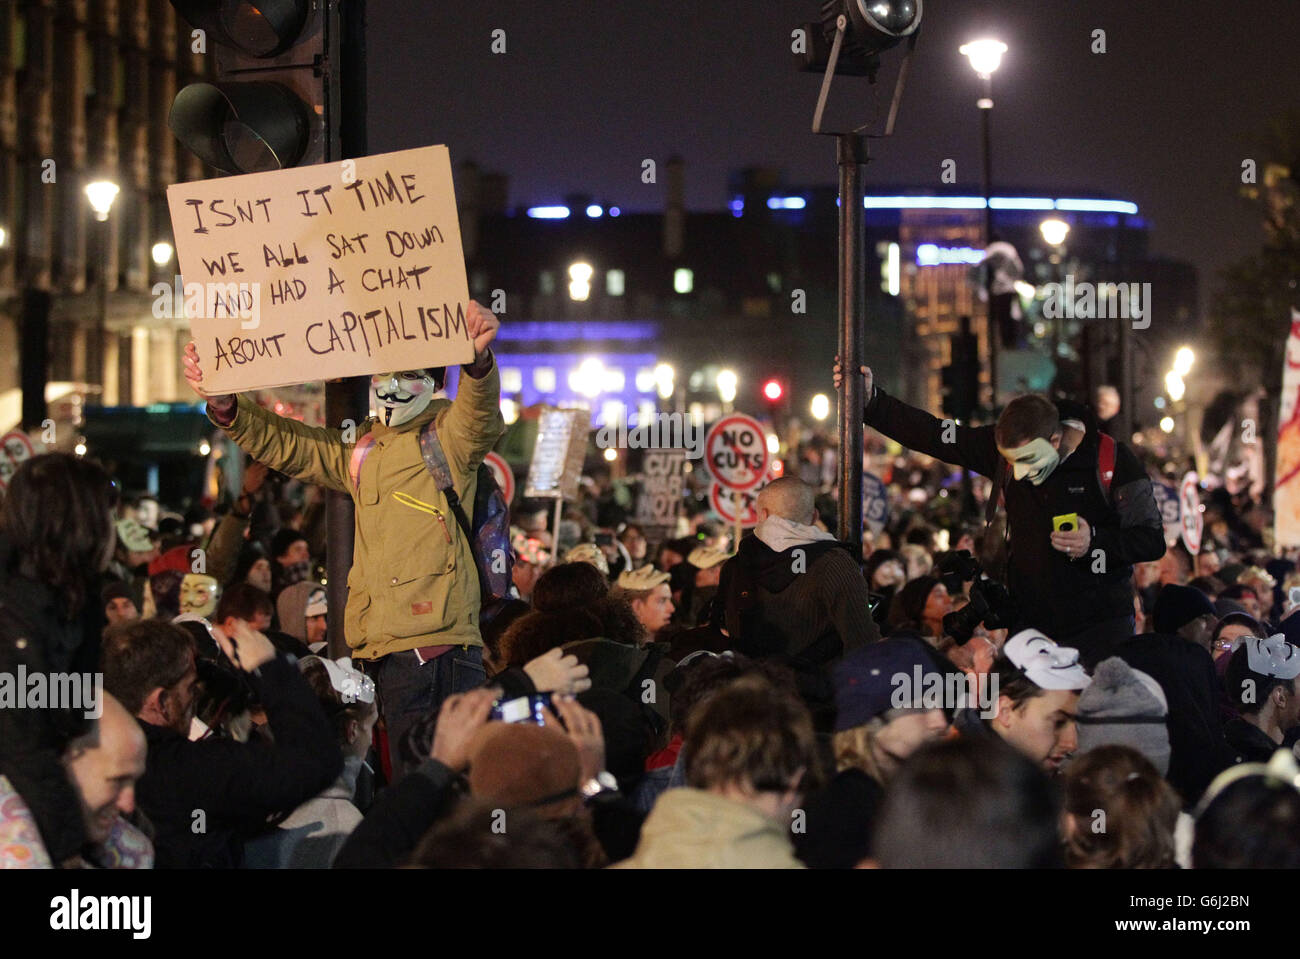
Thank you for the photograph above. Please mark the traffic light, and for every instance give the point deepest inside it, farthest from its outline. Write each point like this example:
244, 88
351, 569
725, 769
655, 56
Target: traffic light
961, 377
275, 101
773, 391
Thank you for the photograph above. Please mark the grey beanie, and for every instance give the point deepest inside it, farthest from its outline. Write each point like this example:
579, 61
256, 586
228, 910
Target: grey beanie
1126, 707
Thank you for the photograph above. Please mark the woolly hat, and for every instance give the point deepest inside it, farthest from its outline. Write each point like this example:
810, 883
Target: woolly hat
1176, 606
1126, 707
519, 764
283, 539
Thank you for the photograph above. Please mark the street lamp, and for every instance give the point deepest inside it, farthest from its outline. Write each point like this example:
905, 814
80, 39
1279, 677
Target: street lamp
101, 194
985, 57
1054, 231
727, 383
1174, 385
161, 253
1183, 360
821, 406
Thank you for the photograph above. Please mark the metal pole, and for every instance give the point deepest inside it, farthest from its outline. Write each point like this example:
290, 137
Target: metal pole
345, 399
97, 340
1125, 381
986, 177
852, 157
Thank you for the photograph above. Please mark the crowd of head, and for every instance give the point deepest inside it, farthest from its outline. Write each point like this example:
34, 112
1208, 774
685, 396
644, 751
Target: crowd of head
633, 712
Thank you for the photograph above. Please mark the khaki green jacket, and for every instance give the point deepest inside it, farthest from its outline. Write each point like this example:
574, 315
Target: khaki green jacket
413, 581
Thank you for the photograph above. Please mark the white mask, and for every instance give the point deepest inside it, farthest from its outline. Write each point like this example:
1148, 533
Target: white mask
401, 397
1034, 460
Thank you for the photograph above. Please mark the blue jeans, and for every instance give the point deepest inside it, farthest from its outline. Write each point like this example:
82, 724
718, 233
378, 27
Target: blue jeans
408, 691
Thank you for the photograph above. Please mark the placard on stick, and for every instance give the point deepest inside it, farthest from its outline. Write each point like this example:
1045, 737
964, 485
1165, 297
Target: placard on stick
320, 272
561, 448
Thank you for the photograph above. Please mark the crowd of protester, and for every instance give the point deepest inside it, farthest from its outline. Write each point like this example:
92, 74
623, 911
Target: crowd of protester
646, 698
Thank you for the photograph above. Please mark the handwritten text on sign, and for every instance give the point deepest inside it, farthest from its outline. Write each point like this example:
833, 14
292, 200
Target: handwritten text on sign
320, 272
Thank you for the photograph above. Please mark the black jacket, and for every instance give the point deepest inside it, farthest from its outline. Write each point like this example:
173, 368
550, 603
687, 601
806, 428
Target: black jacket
840, 820
1056, 594
231, 789
36, 636
1250, 743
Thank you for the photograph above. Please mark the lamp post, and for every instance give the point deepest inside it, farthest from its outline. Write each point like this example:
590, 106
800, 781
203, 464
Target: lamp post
1054, 233
101, 194
985, 57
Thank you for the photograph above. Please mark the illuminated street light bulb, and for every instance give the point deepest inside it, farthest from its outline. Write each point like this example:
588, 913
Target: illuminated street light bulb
205, 448
1167, 424
611, 454
580, 281
588, 379
1174, 385
984, 55
509, 410
821, 406
4, 237
162, 253
101, 194
1183, 361
664, 377
1054, 231
727, 382
80, 448
773, 444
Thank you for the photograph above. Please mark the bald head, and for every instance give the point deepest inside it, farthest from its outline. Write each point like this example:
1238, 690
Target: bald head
789, 498
104, 764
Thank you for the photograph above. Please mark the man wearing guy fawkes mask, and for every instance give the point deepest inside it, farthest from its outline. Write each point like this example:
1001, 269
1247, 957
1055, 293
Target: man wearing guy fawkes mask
1075, 584
412, 617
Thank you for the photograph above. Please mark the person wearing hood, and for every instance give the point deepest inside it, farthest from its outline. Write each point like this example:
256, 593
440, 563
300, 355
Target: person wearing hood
1079, 506
751, 746
795, 593
414, 597
303, 609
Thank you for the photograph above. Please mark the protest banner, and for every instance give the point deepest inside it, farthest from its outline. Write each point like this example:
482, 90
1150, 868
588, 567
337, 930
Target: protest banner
1193, 523
1286, 474
1171, 510
875, 502
321, 272
738, 508
561, 448
660, 502
735, 450
16, 448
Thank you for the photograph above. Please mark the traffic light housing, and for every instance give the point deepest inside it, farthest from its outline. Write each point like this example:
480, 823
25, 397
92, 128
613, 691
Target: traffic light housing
275, 101
961, 377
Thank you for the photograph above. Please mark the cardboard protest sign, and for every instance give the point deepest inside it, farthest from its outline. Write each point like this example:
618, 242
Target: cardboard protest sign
16, 448
736, 507
875, 502
1193, 521
661, 493
558, 456
326, 271
1167, 501
505, 476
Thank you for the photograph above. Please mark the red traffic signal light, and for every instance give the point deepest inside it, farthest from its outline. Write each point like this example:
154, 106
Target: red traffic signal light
773, 390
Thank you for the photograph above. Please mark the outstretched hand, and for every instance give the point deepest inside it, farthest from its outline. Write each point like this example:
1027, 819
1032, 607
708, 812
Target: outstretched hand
194, 376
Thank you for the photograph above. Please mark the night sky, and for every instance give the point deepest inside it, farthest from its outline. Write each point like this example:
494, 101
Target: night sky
1186, 90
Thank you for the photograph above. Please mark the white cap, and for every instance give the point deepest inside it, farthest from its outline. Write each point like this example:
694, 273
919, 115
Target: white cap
1047, 665
1273, 657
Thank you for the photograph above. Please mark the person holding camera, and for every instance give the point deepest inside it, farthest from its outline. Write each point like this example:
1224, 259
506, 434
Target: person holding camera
1080, 511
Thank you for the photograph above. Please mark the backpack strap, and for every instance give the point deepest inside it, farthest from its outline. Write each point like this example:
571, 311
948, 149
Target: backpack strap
1105, 462
435, 461
359, 454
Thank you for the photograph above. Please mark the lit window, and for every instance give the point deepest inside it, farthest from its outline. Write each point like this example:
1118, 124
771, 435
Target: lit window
613, 411
544, 379
580, 281
683, 280
613, 381
615, 282
512, 379
774, 282
546, 282
645, 380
